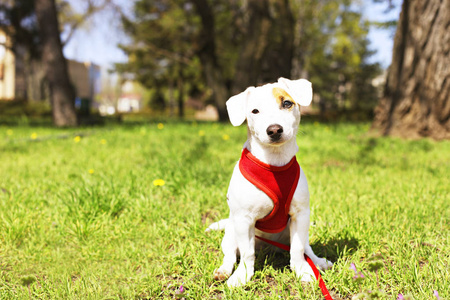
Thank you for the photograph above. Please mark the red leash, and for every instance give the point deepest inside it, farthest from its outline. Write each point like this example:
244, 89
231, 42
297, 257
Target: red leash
322, 286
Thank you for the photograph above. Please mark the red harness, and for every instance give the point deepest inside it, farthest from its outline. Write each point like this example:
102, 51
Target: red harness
279, 183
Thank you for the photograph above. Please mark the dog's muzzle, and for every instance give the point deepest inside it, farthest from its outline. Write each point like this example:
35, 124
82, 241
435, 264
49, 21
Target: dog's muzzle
274, 132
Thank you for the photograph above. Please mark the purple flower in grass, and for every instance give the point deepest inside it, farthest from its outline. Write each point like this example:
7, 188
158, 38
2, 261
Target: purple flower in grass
436, 294
400, 297
358, 275
353, 267
180, 292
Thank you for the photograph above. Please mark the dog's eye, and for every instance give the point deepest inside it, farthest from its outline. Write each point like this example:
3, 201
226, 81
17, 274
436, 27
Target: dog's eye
255, 111
287, 104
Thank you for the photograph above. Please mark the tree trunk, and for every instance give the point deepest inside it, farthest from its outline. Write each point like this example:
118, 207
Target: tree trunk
62, 92
180, 86
277, 61
416, 97
248, 66
171, 97
208, 58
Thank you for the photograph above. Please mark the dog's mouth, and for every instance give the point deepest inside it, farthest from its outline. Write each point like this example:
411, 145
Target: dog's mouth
278, 142
278, 139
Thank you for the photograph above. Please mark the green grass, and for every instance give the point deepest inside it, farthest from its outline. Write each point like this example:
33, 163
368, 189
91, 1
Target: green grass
83, 220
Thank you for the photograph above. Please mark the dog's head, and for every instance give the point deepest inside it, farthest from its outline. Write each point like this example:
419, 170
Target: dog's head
272, 111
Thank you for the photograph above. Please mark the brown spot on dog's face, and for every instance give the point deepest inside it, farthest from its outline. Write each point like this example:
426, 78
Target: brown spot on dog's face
283, 99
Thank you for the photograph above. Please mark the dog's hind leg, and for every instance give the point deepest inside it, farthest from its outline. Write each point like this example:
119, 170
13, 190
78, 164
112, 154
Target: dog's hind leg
229, 249
321, 263
220, 225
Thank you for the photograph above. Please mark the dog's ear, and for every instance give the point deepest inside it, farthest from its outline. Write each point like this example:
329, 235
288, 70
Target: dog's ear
300, 90
236, 106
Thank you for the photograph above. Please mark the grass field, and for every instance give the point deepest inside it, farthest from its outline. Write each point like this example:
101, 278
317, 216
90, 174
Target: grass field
119, 213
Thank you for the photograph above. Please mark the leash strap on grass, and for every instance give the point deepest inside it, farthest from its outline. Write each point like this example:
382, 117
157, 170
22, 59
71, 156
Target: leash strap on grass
322, 286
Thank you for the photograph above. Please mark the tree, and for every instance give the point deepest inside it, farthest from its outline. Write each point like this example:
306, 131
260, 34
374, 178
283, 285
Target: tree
416, 101
279, 54
327, 40
248, 65
227, 42
33, 32
17, 20
261, 44
62, 92
161, 55
240, 43
332, 50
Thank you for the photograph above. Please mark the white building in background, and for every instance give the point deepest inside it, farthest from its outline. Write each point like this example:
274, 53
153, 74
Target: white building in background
20, 81
7, 69
129, 103
131, 99
85, 77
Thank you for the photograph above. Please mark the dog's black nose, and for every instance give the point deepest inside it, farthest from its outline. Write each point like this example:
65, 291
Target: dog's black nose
274, 132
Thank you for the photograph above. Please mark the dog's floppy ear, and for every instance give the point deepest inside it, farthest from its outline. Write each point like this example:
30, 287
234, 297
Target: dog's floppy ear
300, 90
236, 106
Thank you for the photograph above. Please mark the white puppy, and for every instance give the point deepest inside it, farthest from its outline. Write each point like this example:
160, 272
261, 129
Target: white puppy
272, 112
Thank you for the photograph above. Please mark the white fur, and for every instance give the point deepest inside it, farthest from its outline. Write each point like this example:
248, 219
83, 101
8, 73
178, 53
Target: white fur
247, 203
300, 89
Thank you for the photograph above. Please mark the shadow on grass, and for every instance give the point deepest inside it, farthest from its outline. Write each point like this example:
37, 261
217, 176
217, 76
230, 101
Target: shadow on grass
332, 250
269, 256
336, 247
366, 152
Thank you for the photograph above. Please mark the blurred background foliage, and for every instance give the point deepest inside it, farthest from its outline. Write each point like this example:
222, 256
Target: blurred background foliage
188, 54
325, 41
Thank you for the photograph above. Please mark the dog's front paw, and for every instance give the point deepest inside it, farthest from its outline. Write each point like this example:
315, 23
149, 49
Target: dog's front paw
303, 271
240, 277
221, 274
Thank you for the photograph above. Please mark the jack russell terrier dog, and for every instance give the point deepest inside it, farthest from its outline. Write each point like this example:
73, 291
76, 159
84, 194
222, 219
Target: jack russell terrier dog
268, 193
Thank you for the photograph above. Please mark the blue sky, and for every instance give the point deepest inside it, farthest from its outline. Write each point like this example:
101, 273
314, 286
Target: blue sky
97, 40
382, 40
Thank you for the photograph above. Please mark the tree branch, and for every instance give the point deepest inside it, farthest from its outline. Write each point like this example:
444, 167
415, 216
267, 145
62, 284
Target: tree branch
171, 55
90, 11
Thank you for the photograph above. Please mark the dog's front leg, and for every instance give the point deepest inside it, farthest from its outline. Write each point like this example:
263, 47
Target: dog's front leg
244, 230
229, 249
299, 228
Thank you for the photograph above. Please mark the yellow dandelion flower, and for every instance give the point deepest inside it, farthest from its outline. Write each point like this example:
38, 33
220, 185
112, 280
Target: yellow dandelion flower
201, 133
33, 136
9, 132
77, 139
91, 171
158, 182
160, 126
225, 137
103, 141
